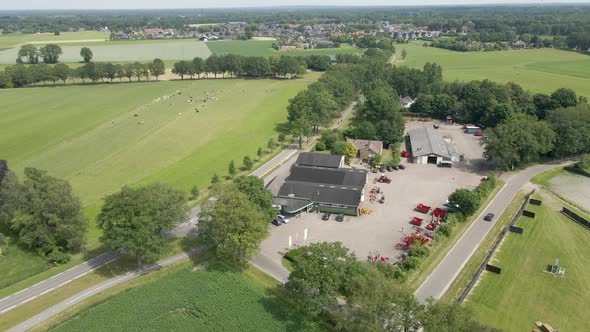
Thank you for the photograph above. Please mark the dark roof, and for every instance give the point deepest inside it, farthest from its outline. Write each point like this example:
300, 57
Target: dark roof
319, 160
343, 177
321, 193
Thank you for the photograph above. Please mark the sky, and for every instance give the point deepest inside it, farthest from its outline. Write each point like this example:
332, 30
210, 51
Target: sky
153, 4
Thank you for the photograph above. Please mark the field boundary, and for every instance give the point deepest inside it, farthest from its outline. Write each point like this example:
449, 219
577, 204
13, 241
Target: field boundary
490, 254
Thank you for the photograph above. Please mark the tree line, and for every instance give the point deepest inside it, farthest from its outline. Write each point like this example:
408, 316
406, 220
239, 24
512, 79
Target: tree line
20, 75
522, 139
49, 53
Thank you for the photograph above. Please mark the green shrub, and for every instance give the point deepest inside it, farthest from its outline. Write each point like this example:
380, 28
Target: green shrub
282, 137
321, 146
445, 229
418, 250
410, 263
293, 255
58, 257
391, 271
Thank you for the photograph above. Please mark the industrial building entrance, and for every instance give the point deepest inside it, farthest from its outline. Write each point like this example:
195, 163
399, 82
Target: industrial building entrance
432, 160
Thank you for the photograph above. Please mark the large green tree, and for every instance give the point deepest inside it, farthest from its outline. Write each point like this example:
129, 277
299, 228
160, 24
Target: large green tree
379, 303
453, 317
134, 220
572, 126
29, 52
233, 223
519, 140
321, 274
62, 71
43, 212
157, 68
50, 53
86, 54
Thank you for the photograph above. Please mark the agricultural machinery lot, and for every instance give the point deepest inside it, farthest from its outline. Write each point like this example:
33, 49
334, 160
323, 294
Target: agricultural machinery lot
382, 229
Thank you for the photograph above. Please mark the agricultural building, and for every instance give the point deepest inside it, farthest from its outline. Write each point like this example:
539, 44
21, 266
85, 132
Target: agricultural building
429, 147
366, 149
319, 160
334, 189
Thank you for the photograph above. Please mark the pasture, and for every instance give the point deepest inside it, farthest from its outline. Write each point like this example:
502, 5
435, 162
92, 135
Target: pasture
15, 39
524, 293
102, 137
264, 48
211, 299
113, 51
538, 70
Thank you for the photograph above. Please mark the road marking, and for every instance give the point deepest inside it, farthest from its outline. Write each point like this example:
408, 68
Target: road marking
54, 287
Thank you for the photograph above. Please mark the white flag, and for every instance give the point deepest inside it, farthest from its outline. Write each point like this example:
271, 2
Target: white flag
304, 235
290, 242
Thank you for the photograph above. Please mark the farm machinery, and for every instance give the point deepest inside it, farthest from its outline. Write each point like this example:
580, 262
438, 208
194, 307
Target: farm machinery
422, 208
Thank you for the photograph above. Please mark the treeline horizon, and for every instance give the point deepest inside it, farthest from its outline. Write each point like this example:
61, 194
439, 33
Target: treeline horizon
21, 75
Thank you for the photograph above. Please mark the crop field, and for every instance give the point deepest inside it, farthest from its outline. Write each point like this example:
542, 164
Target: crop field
102, 137
14, 39
524, 293
264, 48
179, 50
203, 300
538, 70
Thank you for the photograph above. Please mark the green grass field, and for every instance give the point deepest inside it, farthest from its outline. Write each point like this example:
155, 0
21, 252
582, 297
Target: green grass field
264, 48
538, 70
14, 39
203, 300
102, 137
179, 50
524, 293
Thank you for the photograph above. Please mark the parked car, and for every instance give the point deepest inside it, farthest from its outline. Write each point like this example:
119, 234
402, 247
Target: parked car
382, 169
401, 166
283, 219
277, 222
390, 168
375, 170
488, 217
396, 167
340, 218
326, 216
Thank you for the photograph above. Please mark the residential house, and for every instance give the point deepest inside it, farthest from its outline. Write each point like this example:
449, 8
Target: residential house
367, 149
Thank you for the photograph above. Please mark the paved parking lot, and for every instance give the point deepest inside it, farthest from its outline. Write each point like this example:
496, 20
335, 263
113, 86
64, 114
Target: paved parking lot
383, 227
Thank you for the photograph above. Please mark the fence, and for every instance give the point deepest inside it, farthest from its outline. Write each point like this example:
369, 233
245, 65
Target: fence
485, 264
575, 217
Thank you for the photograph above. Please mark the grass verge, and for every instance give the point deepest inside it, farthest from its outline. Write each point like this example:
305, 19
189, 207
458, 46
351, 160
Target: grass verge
463, 278
440, 248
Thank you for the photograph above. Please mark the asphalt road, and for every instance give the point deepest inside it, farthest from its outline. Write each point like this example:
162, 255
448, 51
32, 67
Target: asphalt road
56, 281
45, 315
445, 273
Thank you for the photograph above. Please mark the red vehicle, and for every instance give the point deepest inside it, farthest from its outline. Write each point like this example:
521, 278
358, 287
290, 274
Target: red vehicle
438, 212
431, 226
478, 133
416, 221
384, 179
405, 154
422, 208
